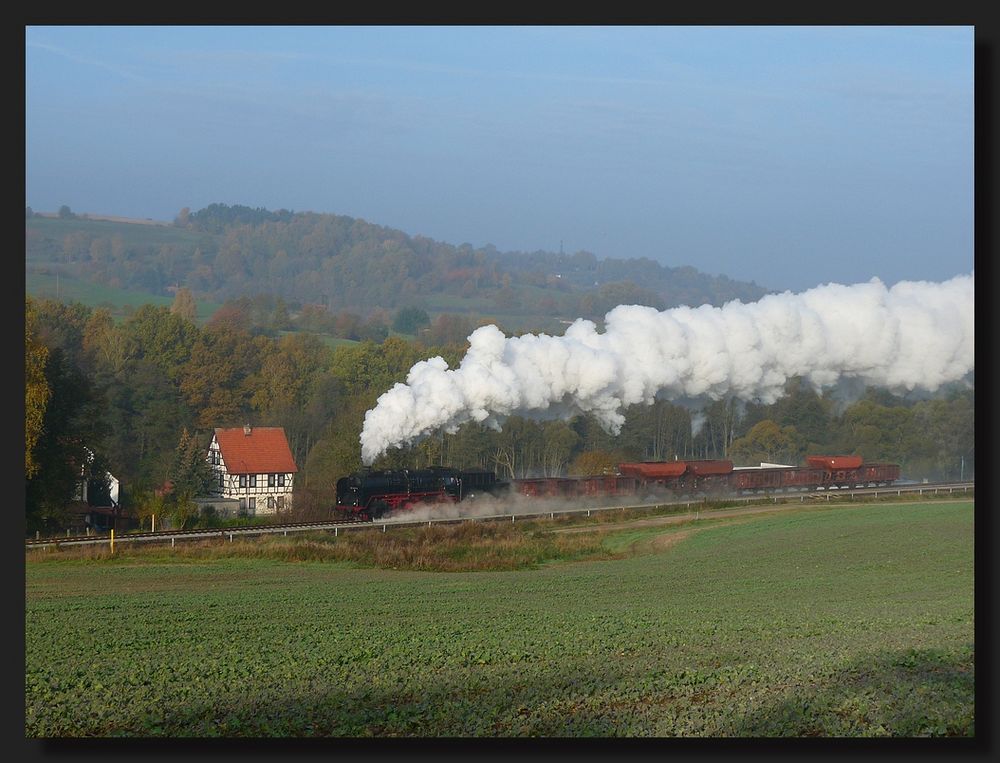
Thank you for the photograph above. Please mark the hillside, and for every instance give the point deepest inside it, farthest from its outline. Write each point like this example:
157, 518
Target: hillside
336, 262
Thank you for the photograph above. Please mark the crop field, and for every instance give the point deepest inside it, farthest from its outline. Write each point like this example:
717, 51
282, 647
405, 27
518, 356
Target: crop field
851, 621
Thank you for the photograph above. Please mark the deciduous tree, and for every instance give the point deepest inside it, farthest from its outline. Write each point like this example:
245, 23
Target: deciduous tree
36, 387
184, 304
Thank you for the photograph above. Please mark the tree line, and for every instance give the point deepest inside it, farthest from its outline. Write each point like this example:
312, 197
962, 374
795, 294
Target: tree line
224, 252
139, 397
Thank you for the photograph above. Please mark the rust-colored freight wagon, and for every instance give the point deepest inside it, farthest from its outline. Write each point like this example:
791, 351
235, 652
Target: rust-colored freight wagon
709, 468
880, 474
754, 479
708, 476
607, 485
546, 487
653, 470
838, 471
598, 484
776, 478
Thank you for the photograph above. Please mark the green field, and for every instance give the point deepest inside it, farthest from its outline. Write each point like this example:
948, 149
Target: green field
846, 621
132, 233
41, 283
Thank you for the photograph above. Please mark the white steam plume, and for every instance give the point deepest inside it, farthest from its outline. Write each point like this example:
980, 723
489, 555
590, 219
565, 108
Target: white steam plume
915, 335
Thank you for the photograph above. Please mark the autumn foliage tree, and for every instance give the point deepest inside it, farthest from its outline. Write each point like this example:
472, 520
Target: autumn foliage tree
184, 304
36, 388
768, 442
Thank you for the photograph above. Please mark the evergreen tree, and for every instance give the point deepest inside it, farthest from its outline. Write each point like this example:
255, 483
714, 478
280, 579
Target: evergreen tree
190, 473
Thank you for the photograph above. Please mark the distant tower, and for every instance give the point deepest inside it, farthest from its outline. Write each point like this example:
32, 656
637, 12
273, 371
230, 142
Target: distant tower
560, 248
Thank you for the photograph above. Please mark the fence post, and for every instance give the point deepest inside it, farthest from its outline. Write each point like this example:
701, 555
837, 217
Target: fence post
112, 540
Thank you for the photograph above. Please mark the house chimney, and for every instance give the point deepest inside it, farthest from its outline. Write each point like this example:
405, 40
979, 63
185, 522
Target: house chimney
246, 429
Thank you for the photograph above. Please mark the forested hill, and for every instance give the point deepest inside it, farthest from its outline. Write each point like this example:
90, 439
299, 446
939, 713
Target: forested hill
226, 252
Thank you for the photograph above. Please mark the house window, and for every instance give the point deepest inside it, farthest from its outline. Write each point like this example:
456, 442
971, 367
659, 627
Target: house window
222, 480
243, 480
270, 502
281, 501
243, 506
270, 480
252, 506
253, 480
281, 480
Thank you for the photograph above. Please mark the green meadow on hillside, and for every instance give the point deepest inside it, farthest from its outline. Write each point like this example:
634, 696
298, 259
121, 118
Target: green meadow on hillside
42, 283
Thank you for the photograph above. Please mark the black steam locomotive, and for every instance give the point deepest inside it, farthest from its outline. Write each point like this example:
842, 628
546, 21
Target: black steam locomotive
374, 494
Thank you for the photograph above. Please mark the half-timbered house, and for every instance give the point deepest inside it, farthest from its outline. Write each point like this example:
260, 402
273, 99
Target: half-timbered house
254, 466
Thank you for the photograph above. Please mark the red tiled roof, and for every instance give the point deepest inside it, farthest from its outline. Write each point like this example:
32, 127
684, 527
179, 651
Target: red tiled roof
262, 451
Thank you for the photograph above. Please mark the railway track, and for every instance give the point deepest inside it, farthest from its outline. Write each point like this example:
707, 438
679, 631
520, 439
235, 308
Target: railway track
230, 534
200, 534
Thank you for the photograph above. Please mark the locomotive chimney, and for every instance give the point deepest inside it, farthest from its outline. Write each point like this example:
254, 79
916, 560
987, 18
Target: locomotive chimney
246, 430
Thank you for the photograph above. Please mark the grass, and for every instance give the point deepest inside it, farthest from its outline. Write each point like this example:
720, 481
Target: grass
847, 621
40, 282
131, 233
462, 547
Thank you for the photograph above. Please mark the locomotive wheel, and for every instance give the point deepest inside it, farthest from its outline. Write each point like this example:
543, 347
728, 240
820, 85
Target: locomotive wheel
379, 509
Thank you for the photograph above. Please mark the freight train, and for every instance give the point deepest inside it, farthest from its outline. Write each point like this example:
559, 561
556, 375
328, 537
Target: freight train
376, 494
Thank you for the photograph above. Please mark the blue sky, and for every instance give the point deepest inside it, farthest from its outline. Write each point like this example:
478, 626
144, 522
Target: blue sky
791, 156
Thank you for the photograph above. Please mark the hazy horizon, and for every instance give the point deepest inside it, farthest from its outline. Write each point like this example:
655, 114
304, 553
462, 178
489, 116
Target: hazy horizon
789, 156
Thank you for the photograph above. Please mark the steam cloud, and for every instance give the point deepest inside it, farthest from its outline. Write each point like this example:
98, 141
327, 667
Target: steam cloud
915, 335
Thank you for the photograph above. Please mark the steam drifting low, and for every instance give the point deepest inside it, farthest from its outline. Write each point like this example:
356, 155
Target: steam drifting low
914, 335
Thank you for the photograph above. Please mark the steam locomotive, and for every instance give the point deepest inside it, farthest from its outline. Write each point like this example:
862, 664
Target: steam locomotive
375, 494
